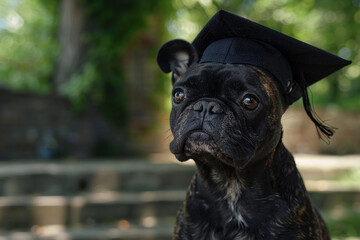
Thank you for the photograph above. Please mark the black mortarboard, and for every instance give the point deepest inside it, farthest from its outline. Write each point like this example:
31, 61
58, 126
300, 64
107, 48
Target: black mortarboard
228, 38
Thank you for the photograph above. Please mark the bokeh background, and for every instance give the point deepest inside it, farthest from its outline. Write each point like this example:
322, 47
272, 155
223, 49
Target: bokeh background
84, 114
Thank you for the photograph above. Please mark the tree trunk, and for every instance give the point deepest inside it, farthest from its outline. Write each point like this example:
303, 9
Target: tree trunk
72, 25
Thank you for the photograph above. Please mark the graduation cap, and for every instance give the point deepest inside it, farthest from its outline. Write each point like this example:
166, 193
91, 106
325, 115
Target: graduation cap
295, 65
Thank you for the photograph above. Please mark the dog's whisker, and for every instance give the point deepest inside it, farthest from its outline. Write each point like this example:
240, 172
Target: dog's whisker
168, 137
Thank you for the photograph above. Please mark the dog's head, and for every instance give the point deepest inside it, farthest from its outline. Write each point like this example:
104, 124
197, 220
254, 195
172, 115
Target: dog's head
221, 113
227, 106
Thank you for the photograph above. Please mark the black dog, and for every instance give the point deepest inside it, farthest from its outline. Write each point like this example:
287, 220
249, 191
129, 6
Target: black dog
247, 185
227, 117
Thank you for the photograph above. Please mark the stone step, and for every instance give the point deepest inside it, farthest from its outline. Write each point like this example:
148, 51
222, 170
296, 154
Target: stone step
121, 232
104, 233
130, 197
25, 211
131, 175
326, 167
91, 210
92, 177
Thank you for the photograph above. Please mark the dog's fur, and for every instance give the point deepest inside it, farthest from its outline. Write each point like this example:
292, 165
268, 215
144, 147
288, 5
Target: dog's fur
247, 185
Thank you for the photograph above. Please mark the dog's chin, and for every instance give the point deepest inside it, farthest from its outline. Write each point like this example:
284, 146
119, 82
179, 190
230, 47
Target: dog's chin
196, 145
201, 146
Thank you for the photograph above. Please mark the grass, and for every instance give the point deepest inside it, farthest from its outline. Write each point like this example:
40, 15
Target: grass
346, 226
344, 220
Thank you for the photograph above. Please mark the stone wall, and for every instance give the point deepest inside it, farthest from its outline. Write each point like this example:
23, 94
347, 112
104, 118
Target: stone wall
300, 134
34, 126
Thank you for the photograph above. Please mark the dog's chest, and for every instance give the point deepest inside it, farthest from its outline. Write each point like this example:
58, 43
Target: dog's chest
219, 221
216, 216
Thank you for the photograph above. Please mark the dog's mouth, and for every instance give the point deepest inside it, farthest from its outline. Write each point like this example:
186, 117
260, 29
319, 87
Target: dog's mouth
189, 144
199, 145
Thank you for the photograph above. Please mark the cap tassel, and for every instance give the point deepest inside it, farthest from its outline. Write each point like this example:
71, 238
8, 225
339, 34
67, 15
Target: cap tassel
325, 132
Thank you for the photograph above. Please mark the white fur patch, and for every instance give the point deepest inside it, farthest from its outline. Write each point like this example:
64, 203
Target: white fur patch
237, 215
233, 190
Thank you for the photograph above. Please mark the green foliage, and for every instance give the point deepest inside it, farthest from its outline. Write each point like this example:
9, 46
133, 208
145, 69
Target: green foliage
113, 27
29, 49
346, 226
79, 84
28, 45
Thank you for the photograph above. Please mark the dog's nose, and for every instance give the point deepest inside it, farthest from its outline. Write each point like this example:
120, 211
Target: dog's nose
208, 107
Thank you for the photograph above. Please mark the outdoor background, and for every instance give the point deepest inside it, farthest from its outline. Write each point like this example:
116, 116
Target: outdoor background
84, 114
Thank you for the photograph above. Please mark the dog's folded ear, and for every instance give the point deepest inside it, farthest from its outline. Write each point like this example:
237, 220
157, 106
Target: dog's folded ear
176, 56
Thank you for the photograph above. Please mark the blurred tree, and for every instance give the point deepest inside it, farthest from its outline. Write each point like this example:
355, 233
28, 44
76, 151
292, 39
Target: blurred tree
108, 29
72, 25
75, 48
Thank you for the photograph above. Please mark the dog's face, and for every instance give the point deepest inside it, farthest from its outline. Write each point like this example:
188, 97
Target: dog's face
223, 113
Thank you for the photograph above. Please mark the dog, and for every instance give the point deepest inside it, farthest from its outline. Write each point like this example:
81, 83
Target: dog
247, 185
227, 117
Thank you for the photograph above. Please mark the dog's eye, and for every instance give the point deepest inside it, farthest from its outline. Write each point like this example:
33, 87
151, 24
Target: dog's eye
179, 95
250, 102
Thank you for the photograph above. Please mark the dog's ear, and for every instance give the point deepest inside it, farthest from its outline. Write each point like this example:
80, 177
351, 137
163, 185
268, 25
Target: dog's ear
176, 56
